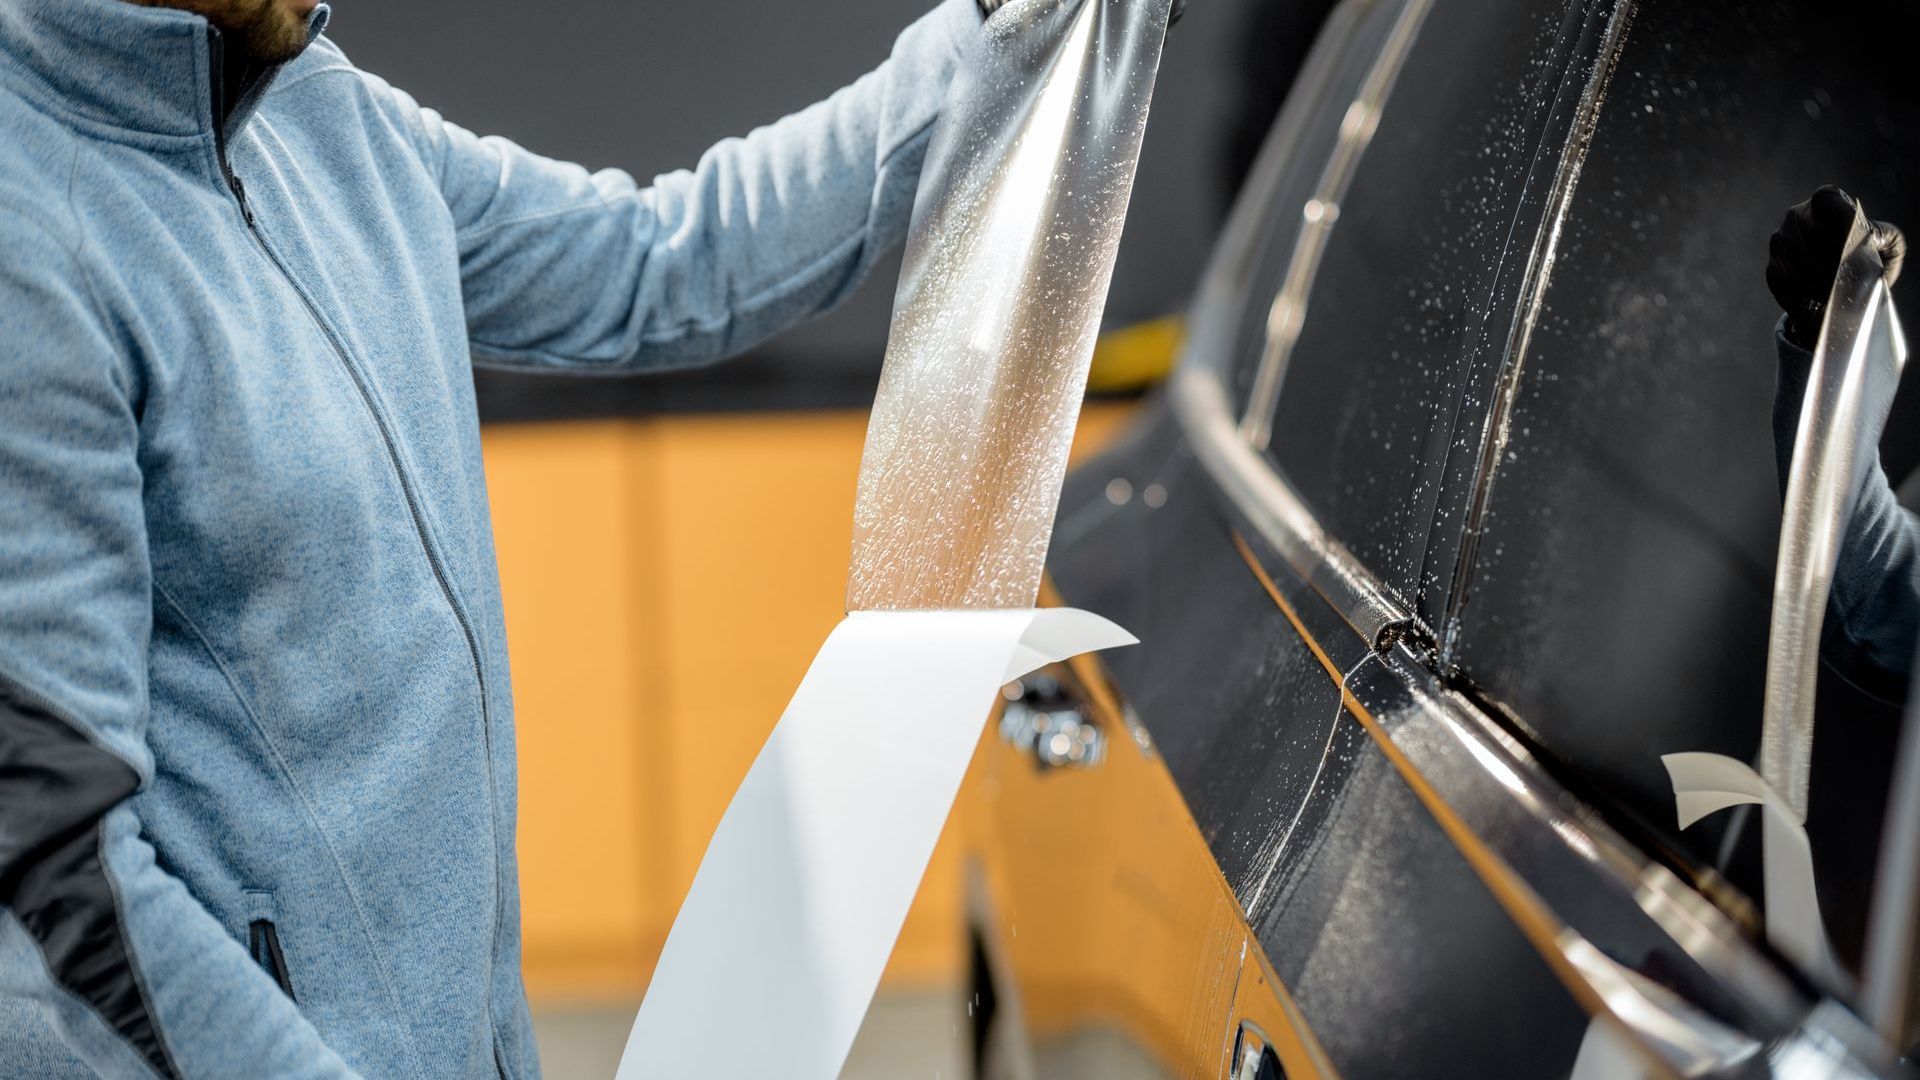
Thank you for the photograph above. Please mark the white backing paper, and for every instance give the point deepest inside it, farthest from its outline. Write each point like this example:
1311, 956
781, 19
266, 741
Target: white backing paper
1605, 1054
770, 966
1707, 783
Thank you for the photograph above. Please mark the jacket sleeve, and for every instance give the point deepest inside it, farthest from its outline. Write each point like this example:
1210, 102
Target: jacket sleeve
565, 268
1873, 613
135, 974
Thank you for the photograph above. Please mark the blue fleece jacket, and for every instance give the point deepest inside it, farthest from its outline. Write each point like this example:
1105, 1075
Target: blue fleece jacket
256, 729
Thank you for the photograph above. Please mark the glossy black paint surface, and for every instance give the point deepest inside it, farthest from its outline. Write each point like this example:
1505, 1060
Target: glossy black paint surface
1402, 958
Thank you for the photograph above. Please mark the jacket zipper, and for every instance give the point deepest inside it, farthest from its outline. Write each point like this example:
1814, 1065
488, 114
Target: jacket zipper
239, 190
263, 940
420, 532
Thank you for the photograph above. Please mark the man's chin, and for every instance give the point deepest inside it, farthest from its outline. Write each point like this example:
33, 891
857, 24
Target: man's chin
271, 31
280, 33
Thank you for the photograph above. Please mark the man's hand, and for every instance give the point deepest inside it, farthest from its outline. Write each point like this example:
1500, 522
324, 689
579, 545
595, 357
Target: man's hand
1804, 256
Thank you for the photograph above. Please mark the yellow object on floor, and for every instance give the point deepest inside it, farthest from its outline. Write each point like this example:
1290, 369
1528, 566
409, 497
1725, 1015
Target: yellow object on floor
1135, 357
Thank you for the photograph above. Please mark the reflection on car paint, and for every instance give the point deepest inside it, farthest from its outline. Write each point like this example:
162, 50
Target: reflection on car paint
1117, 942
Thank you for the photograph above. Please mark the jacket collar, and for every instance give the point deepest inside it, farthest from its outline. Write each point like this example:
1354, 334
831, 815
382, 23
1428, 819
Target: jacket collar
148, 70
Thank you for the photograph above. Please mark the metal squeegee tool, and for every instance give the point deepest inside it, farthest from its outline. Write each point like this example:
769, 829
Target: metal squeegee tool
779, 946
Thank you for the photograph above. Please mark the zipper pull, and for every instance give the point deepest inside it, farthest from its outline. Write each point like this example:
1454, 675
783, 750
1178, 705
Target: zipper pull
240, 196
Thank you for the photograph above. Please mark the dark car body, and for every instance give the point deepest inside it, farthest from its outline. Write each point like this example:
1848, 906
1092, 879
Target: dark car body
1460, 512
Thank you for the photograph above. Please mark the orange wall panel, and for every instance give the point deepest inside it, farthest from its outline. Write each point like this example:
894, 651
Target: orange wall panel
571, 556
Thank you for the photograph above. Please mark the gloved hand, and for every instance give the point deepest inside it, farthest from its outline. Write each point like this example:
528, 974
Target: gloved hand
1804, 255
988, 7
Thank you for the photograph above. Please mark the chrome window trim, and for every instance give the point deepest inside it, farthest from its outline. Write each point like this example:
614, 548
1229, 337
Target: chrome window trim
1198, 389
1317, 218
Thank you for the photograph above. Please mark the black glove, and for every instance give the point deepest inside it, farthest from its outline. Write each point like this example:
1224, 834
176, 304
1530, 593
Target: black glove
988, 7
1804, 255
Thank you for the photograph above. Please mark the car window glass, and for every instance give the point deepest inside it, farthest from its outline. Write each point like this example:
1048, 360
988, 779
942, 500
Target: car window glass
1292, 160
1368, 396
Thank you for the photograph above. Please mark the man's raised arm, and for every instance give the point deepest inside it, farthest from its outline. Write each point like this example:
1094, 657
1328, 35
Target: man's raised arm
565, 268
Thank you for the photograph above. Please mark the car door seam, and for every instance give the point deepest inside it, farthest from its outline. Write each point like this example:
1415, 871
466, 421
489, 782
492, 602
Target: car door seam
1496, 428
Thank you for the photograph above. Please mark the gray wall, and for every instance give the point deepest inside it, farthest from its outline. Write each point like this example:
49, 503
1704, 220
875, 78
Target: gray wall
646, 85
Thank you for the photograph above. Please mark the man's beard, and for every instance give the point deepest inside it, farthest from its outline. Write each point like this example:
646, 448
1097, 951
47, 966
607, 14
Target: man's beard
269, 30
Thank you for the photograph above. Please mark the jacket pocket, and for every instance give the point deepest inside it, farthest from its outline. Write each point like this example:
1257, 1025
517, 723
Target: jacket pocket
263, 940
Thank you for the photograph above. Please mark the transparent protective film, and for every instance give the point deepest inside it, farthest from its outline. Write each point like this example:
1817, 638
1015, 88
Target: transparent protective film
1014, 233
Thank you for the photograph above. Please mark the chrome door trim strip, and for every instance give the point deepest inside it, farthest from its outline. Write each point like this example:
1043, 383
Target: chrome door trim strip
1561, 850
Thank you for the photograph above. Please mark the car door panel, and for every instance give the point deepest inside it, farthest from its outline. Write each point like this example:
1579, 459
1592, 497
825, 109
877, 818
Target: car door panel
1348, 680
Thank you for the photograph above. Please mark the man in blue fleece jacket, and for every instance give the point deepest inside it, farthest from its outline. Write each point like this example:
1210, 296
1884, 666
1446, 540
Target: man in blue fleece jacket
256, 732
1872, 624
